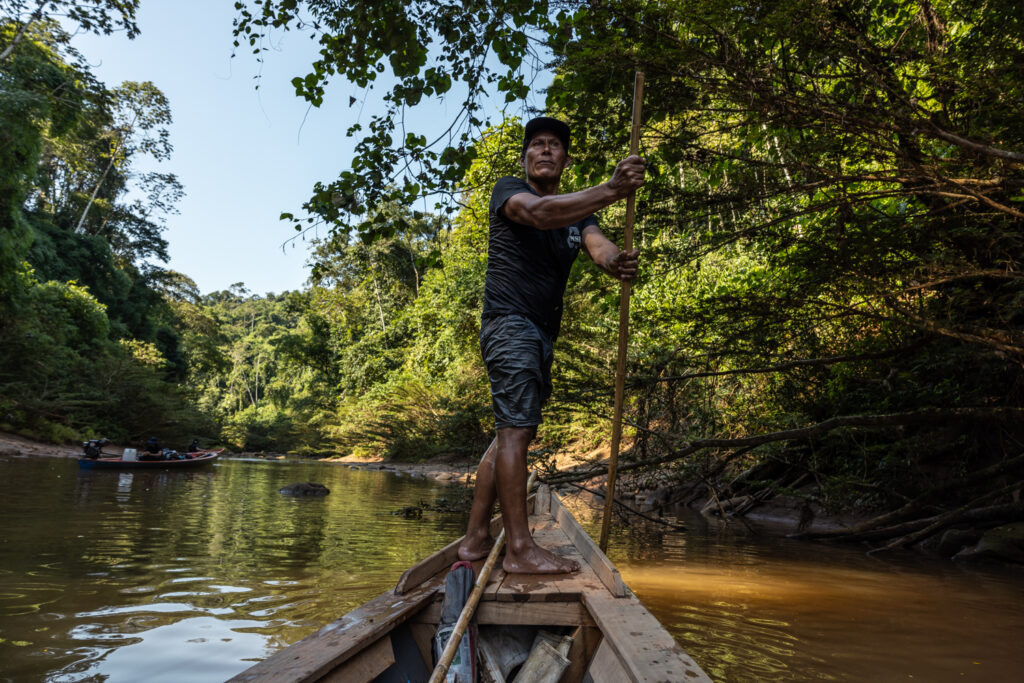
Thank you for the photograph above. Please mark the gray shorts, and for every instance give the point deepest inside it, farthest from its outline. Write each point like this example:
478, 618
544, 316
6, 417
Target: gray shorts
518, 357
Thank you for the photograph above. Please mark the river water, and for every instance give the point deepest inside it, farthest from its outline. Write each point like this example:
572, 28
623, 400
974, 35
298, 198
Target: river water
191, 576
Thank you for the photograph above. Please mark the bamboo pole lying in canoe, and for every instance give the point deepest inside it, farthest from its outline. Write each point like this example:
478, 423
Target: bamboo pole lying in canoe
441, 670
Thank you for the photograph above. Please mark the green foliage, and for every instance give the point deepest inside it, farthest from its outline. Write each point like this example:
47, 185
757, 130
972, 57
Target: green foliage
831, 226
97, 16
831, 223
430, 50
831, 182
36, 88
88, 345
61, 375
252, 366
396, 321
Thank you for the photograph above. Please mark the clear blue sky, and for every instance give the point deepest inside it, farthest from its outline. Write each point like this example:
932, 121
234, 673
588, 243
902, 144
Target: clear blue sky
243, 155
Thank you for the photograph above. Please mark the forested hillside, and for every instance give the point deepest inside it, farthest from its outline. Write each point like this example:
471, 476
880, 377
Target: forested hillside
830, 294
89, 343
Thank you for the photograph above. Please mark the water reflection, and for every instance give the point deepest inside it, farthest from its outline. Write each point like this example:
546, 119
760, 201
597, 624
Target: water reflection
753, 608
193, 575
190, 575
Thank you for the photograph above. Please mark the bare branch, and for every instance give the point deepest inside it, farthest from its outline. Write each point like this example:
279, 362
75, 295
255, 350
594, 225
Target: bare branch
917, 503
947, 518
975, 146
933, 415
803, 362
36, 16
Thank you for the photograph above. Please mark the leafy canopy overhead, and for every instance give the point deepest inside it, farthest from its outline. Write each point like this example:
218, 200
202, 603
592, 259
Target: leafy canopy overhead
94, 16
424, 49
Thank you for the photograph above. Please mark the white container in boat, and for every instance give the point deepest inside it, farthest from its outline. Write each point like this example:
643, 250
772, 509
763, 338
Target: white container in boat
129, 455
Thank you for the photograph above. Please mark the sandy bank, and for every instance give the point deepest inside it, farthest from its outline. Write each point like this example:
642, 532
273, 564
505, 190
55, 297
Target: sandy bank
12, 445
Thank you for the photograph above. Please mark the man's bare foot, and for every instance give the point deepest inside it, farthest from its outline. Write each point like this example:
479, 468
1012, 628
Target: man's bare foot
537, 560
475, 548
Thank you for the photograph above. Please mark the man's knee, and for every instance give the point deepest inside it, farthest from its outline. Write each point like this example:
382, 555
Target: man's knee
516, 436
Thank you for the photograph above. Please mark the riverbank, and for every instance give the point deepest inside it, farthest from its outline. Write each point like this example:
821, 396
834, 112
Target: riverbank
12, 445
781, 515
797, 513
440, 469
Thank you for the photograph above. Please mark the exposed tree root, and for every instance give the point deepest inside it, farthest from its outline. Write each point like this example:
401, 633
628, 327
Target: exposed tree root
947, 519
896, 528
934, 415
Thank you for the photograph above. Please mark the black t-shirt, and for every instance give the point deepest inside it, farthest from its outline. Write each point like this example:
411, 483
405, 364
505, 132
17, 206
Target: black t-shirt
527, 268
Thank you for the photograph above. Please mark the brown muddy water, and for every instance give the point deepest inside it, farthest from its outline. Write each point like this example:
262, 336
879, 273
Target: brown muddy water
191, 576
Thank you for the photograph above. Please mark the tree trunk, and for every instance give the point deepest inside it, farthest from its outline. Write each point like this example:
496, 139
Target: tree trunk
96, 189
21, 32
380, 309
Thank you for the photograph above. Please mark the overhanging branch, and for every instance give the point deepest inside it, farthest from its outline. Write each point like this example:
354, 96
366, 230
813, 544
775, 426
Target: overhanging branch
778, 367
934, 415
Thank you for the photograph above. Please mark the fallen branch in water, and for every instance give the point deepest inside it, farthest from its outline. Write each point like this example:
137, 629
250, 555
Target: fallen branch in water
889, 518
1003, 511
672, 525
944, 520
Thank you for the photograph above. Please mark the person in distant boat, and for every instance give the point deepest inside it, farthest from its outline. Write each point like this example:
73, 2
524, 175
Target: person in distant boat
535, 235
152, 450
194, 446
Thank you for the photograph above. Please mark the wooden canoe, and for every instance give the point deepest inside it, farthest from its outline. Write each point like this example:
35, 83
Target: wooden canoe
199, 458
614, 637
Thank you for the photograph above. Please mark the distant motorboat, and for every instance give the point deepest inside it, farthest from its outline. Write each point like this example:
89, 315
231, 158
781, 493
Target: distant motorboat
195, 459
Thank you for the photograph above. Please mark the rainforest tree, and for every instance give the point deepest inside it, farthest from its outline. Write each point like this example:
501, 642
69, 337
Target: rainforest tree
88, 342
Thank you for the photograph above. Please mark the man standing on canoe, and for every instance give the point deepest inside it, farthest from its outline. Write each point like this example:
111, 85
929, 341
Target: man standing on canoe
535, 235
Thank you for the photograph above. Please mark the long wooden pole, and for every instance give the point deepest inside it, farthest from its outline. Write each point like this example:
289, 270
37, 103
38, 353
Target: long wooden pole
441, 670
620, 368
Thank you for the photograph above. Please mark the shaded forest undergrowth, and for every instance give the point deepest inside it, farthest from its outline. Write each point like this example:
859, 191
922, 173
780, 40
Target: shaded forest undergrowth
974, 517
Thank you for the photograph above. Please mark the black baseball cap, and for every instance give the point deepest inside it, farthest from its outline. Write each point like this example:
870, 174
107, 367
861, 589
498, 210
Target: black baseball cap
547, 124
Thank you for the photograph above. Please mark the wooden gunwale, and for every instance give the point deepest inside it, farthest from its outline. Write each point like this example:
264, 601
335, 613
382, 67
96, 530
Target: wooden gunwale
445, 557
626, 641
317, 655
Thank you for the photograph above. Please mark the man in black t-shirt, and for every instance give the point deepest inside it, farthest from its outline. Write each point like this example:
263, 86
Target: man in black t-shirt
535, 235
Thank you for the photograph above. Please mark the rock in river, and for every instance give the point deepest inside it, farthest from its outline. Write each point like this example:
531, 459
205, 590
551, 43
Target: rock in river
1004, 543
306, 489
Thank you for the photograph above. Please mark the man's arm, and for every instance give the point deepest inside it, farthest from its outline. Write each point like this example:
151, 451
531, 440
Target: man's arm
559, 210
621, 265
